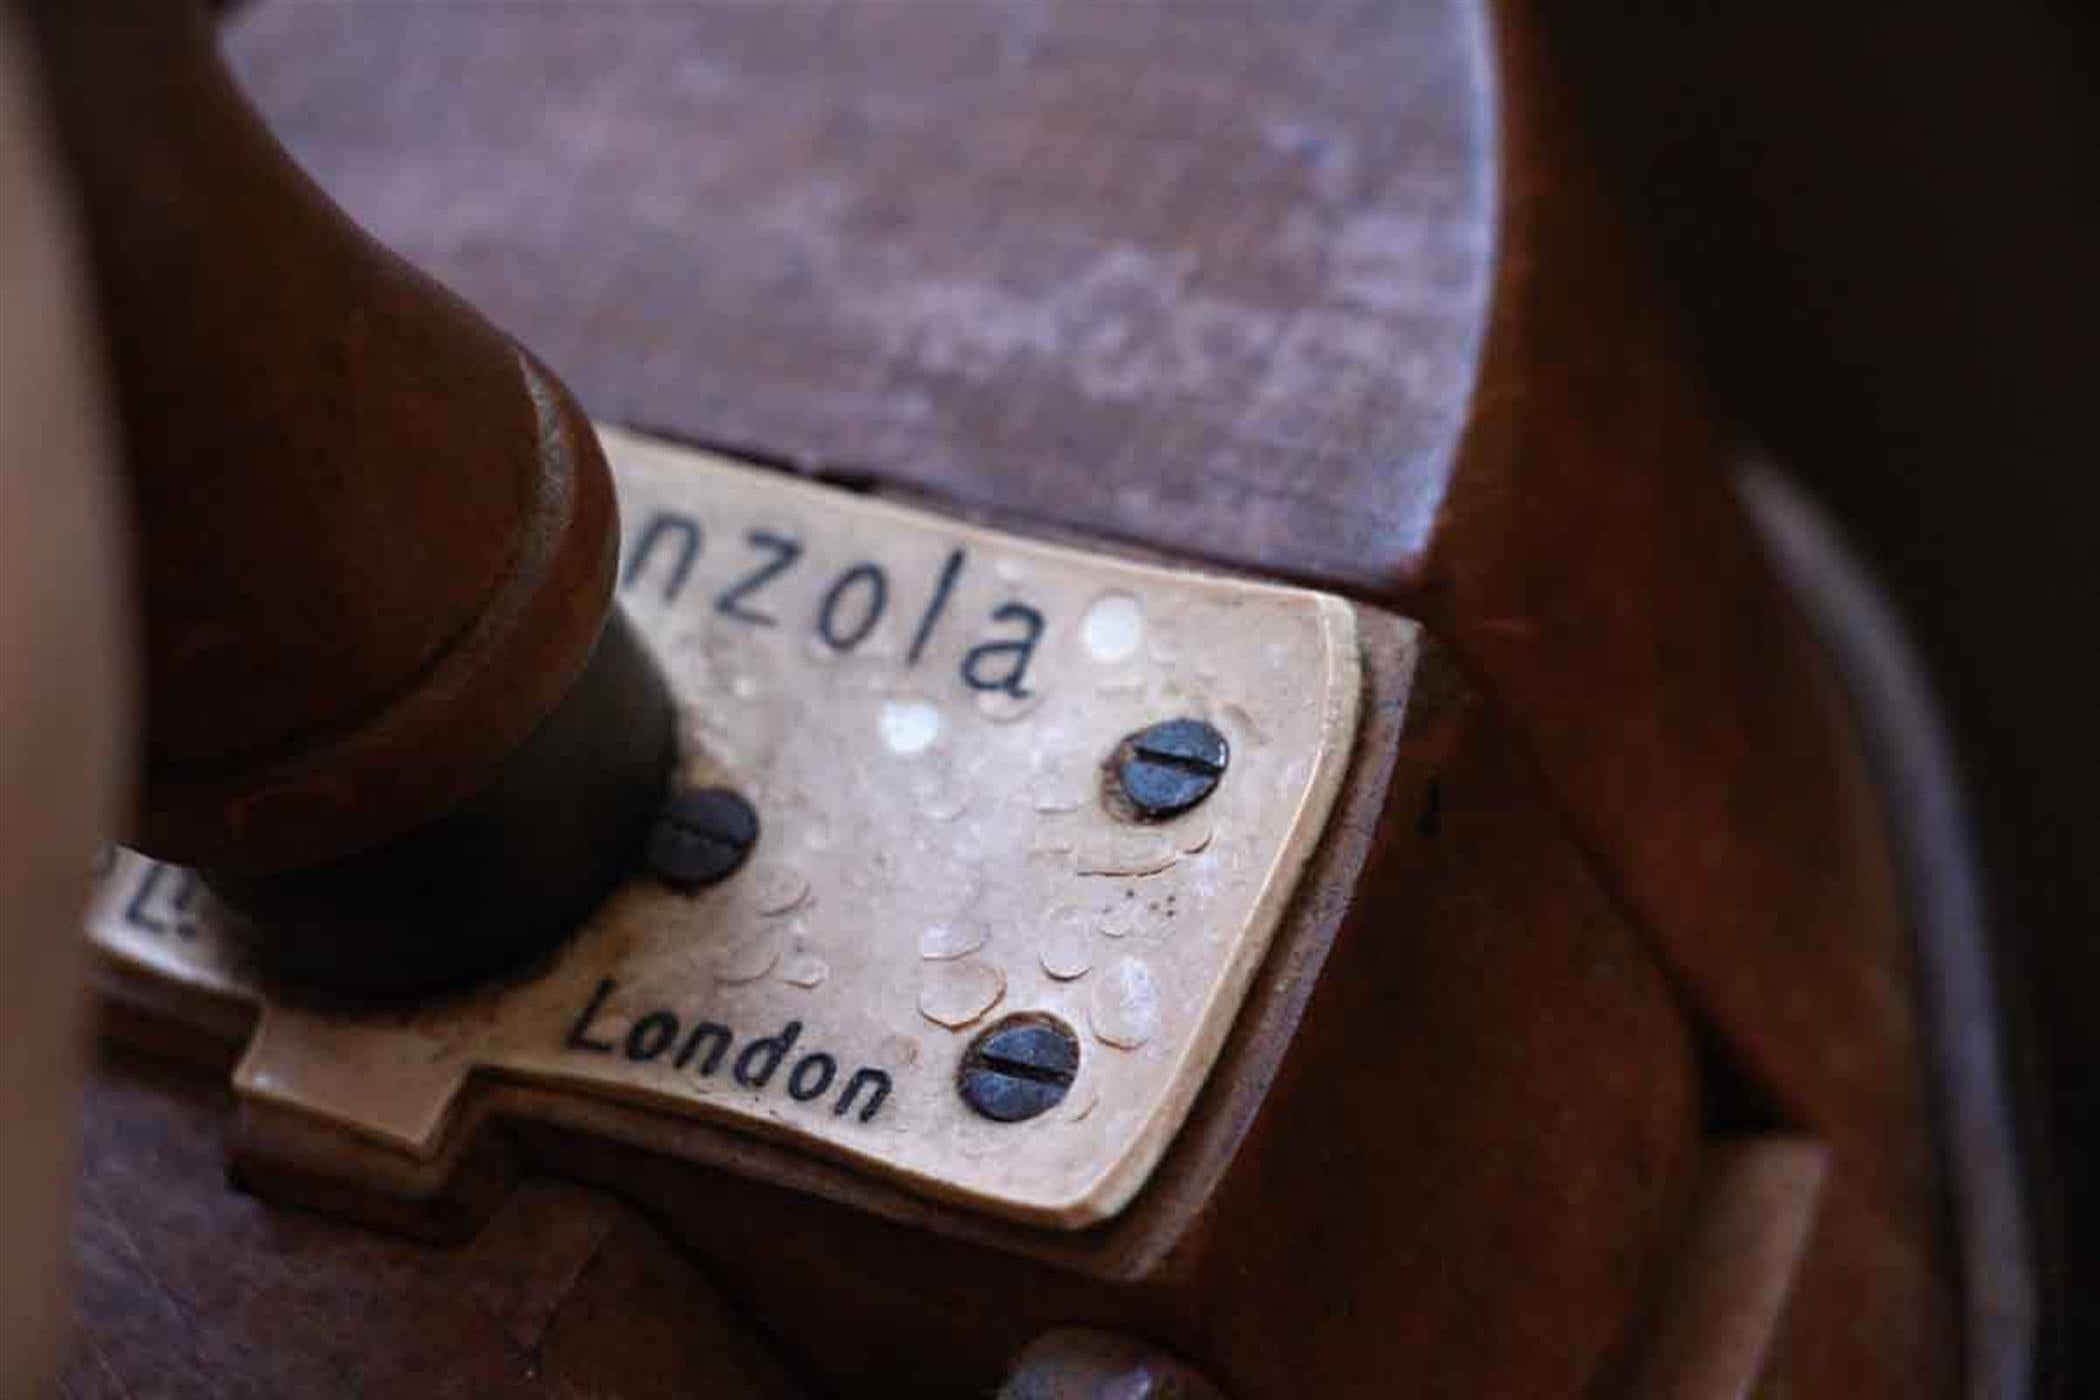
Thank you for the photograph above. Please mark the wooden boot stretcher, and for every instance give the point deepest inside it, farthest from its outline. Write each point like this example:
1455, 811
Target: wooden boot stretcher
1208, 793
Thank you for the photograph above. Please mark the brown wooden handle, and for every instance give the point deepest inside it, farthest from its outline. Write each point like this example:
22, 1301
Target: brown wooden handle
377, 540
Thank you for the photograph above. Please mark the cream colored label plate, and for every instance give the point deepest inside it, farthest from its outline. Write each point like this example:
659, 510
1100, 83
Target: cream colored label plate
920, 710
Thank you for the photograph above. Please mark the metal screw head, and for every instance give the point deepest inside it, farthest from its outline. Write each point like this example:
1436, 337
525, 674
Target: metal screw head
1018, 1068
1165, 769
701, 836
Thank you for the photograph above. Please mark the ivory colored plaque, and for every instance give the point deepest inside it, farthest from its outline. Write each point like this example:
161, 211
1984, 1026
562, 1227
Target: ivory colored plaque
921, 712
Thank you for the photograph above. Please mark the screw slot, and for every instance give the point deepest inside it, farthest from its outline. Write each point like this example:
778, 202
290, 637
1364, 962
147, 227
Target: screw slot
1019, 1068
701, 836
1163, 770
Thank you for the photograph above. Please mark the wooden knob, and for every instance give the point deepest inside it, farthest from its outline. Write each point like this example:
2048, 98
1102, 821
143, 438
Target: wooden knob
376, 546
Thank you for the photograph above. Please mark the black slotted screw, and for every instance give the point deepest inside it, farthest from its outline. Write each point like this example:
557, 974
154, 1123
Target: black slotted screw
701, 836
1019, 1068
1163, 770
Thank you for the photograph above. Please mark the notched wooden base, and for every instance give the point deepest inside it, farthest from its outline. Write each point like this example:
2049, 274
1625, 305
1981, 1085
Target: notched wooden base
1453, 1042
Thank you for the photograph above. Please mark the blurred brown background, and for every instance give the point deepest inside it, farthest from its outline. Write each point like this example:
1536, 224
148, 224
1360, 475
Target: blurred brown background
1879, 224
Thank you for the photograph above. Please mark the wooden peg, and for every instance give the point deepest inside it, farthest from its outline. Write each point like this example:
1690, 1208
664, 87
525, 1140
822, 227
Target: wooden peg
376, 543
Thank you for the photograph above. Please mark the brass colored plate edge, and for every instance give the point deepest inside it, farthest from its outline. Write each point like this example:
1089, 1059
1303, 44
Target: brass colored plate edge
1122, 1180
